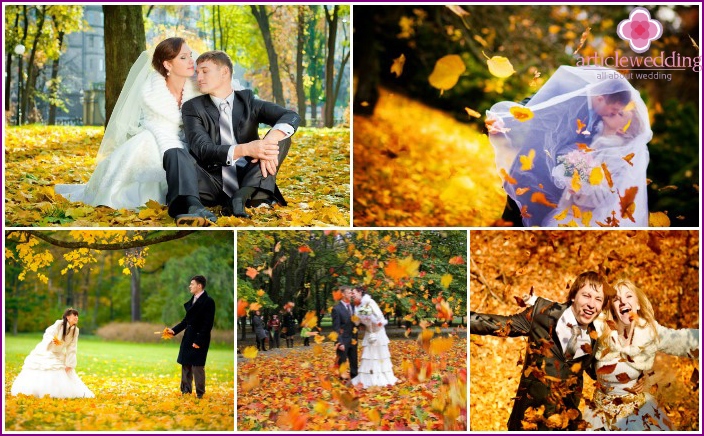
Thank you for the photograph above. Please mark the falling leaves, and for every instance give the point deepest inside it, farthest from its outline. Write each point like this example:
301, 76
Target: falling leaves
507, 177
527, 160
499, 66
539, 197
596, 176
627, 202
447, 72
250, 352
397, 66
628, 158
521, 113
582, 40
472, 113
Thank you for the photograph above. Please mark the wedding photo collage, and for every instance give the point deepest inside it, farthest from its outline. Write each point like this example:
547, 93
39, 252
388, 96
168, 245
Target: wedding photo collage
348, 217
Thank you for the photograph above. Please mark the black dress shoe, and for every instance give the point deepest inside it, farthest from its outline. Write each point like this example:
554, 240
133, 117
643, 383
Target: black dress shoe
196, 217
238, 208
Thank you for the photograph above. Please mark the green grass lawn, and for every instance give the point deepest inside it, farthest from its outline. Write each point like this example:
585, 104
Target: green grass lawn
136, 388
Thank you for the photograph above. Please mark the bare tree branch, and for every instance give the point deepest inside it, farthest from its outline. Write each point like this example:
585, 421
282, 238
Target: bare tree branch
44, 236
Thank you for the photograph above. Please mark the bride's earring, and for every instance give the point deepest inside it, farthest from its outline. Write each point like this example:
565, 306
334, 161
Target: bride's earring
168, 73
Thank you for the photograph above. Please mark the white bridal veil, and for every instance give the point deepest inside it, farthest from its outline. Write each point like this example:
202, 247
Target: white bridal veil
560, 123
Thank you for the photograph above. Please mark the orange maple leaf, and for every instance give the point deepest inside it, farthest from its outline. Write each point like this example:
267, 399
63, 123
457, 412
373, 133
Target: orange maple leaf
627, 202
628, 158
251, 272
304, 249
539, 197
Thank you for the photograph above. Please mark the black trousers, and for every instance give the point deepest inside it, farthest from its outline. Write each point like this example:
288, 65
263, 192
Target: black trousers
349, 354
190, 372
186, 177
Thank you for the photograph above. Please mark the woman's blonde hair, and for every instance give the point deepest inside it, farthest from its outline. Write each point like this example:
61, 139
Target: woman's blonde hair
646, 309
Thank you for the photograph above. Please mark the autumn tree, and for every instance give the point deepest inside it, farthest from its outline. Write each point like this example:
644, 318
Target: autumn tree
261, 14
124, 27
332, 81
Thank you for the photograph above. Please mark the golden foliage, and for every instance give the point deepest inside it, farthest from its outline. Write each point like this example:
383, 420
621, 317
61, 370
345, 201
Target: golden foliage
442, 175
431, 393
446, 72
314, 179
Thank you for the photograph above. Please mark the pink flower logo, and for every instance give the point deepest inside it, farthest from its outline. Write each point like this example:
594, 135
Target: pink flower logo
639, 30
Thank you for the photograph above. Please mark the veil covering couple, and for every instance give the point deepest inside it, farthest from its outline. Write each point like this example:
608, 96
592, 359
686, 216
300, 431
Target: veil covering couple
185, 144
576, 153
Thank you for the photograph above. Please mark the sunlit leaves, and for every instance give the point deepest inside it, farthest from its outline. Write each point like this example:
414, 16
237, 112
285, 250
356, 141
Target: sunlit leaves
250, 352
540, 198
397, 66
314, 179
500, 66
447, 72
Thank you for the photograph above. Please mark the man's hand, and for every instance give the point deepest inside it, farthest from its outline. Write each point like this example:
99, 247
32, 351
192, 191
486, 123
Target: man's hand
268, 167
260, 149
195, 345
341, 347
170, 331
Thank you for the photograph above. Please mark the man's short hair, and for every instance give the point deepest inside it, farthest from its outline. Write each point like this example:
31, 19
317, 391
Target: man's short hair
218, 57
621, 97
591, 278
200, 280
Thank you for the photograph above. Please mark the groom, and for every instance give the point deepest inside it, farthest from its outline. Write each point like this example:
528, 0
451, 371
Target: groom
345, 327
561, 346
605, 99
198, 322
227, 164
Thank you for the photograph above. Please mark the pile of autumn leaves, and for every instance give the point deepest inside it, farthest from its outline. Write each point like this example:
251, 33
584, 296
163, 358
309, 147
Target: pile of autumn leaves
299, 389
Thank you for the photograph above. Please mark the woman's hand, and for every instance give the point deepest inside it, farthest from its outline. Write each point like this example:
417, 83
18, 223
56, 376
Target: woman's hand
68, 370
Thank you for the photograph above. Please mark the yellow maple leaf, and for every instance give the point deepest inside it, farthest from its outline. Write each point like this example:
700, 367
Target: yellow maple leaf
397, 66
576, 182
521, 113
562, 215
499, 66
658, 219
250, 352
586, 218
527, 160
596, 176
410, 266
446, 280
472, 113
447, 72
333, 336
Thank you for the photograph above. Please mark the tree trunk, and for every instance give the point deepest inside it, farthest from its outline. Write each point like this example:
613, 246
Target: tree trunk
300, 90
54, 87
29, 88
262, 18
331, 19
124, 42
135, 294
8, 68
69, 288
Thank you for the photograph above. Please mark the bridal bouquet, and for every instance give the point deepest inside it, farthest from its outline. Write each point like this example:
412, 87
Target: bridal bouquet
576, 161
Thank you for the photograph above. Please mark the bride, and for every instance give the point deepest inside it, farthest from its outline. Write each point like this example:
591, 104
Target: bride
629, 339
376, 368
145, 123
50, 369
576, 154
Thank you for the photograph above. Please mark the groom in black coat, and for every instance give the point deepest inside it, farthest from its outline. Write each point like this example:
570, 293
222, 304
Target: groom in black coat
342, 324
226, 164
198, 322
561, 346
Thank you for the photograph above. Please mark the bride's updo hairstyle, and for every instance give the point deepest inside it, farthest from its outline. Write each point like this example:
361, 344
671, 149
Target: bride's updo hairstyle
166, 50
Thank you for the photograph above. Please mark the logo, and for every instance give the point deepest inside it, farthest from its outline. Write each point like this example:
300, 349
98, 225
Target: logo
639, 30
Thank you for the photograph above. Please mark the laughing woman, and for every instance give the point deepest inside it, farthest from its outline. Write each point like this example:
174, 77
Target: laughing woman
50, 369
629, 339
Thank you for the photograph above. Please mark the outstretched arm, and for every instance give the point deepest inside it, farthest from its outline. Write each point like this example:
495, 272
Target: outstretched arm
682, 342
499, 325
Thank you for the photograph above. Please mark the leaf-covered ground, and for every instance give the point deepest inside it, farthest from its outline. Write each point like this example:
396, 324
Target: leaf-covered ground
417, 166
298, 389
136, 388
510, 264
314, 179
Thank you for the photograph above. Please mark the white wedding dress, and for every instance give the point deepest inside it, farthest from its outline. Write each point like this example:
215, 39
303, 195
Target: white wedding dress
375, 368
613, 407
44, 370
130, 171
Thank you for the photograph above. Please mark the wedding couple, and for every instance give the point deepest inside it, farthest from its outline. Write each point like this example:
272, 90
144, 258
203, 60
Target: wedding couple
357, 307
167, 142
576, 153
50, 369
615, 347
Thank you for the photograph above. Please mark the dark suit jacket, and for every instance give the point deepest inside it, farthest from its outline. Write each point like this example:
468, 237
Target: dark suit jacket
197, 324
201, 122
547, 378
344, 327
